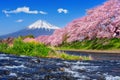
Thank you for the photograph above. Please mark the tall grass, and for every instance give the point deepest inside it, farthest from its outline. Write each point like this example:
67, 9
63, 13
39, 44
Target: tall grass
22, 48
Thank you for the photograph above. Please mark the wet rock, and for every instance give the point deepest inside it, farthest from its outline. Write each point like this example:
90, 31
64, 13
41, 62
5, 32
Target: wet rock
81, 70
61, 69
4, 72
35, 60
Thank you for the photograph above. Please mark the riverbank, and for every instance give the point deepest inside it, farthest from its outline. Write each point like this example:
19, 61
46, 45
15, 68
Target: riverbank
104, 45
35, 49
91, 51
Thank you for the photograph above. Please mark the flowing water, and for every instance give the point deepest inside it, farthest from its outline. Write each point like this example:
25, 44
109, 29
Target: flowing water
31, 68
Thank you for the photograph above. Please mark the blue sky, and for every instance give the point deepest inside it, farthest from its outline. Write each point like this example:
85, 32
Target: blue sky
18, 14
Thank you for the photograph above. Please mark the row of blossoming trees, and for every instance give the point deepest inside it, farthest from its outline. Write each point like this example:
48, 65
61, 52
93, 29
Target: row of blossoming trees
100, 22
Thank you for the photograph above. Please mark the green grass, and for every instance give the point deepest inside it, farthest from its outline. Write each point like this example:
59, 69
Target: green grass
96, 44
73, 57
3, 47
36, 49
65, 56
31, 49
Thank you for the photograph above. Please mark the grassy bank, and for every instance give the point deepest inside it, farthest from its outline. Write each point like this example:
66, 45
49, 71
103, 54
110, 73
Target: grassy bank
96, 45
36, 49
90, 51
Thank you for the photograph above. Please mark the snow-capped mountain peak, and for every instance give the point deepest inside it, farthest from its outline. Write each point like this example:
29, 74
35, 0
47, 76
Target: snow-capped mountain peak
42, 24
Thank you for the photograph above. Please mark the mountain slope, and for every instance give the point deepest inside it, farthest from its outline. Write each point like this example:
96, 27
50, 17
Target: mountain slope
38, 28
100, 22
42, 25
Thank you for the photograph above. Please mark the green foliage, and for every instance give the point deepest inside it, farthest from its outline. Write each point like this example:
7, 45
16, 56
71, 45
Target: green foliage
3, 46
98, 44
65, 56
73, 57
27, 36
35, 49
30, 49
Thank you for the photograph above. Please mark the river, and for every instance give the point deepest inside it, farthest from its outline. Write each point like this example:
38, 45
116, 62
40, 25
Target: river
31, 68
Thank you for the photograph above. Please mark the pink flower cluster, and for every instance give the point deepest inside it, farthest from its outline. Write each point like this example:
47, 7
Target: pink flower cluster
54, 39
29, 40
100, 22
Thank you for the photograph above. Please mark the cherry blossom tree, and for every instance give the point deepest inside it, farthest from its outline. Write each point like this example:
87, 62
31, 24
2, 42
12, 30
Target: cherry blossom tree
100, 22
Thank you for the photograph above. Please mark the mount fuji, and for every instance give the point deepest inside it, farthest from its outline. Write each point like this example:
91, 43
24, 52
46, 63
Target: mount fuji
36, 29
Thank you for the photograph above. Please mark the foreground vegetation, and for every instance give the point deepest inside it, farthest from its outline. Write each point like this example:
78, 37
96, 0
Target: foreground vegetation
40, 50
35, 49
96, 44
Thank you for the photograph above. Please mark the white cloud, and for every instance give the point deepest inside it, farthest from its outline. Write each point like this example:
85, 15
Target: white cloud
42, 12
23, 10
19, 20
61, 10
7, 15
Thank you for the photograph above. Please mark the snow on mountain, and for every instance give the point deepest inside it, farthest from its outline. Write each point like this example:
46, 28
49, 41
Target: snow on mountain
43, 25
39, 28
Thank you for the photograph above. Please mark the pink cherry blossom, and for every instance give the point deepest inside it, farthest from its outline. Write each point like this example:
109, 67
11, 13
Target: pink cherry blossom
100, 22
29, 40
